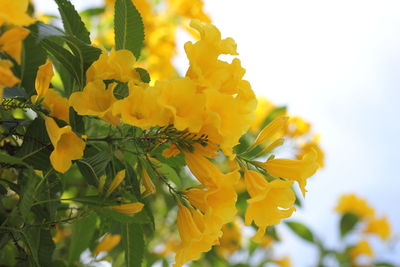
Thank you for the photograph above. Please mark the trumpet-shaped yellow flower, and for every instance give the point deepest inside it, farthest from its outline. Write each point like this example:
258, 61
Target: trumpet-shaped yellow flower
195, 236
298, 170
11, 42
308, 147
7, 77
14, 13
231, 239
95, 100
43, 78
141, 108
67, 145
361, 248
118, 65
354, 204
107, 243
128, 209
270, 202
272, 131
380, 227
119, 177
51, 99
264, 107
186, 106
283, 262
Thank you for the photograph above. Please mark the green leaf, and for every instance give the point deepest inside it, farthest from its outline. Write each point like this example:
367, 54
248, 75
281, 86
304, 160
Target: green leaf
10, 160
93, 167
128, 27
76, 121
383, 264
121, 90
133, 243
301, 230
36, 147
29, 63
82, 233
168, 172
144, 75
14, 92
279, 111
28, 194
92, 12
140, 218
46, 248
72, 22
271, 232
31, 237
347, 223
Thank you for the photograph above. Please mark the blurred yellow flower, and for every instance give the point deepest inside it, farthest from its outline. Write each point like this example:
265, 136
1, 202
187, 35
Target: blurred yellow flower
67, 145
96, 100
362, 248
14, 12
271, 131
11, 42
189, 9
128, 209
297, 127
380, 227
308, 147
171, 151
283, 262
148, 184
269, 202
354, 204
7, 77
119, 177
298, 170
264, 107
231, 239
108, 242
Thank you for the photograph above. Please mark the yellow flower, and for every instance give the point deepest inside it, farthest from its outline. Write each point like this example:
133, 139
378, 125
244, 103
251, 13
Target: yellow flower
118, 65
119, 177
272, 131
148, 184
189, 9
283, 262
361, 248
7, 77
354, 204
140, 108
107, 243
95, 100
269, 202
298, 170
231, 239
186, 106
67, 145
308, 147
171, 151
11, 42
14, 12
43, 78
195, 236
380, 227
128, 209
297, 127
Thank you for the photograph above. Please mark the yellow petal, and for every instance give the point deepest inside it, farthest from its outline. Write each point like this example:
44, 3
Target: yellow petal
119, 177
43, 77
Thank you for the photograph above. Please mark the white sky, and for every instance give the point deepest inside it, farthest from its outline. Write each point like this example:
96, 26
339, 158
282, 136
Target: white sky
337, 64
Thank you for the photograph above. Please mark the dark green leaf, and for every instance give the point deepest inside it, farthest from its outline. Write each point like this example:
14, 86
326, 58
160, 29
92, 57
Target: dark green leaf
121, 90
46, 248
10, 160
383, 264
36, 147
271, 232
347, 223
144, 75
131, 177
168, 172
31, 237
133, 243
29, 63
82, 233
76, 121
28, 194
301, 230
92, 12
93, 167
14, 92
72, 22
128, 27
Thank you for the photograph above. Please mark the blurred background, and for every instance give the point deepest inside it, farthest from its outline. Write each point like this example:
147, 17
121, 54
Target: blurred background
337, 65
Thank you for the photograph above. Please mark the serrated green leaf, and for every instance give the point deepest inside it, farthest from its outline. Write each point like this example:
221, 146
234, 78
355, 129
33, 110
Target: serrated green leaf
301, 230
72, 22
46, 248
128, 27
144, 75
133, 243
93, 167
28, 195
30, 64
347, 223
82, 233
36, 147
